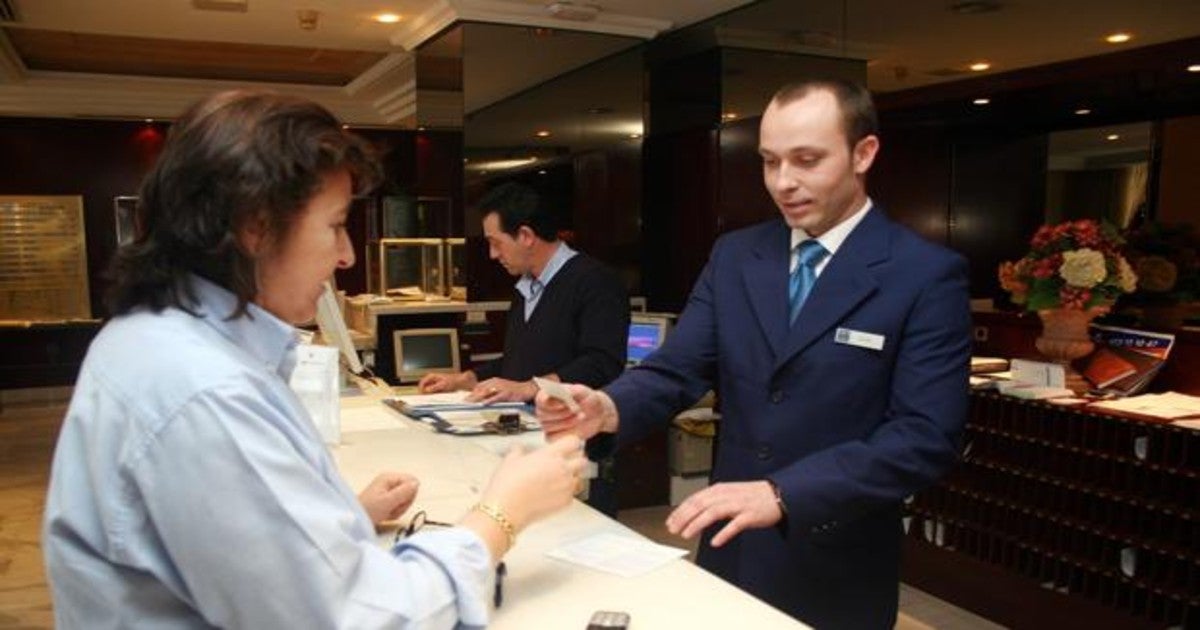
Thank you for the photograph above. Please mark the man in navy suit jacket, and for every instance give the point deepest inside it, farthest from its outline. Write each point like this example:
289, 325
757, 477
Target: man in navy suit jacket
829, 420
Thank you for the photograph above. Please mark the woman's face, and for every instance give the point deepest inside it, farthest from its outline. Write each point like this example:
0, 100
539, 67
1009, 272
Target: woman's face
291, 270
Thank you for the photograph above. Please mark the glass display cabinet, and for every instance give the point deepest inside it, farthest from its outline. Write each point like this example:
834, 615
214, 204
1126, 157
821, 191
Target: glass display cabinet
412, 268
456, 268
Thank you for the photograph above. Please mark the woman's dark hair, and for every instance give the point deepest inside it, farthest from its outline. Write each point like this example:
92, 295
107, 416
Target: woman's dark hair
232, 158
516, 205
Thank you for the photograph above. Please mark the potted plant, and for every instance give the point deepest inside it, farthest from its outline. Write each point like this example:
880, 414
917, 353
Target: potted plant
1074, 272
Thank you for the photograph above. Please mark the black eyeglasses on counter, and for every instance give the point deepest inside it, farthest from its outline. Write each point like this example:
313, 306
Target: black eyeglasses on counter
421, 520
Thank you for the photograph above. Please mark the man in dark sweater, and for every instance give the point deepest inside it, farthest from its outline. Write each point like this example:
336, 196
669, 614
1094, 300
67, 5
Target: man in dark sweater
569, 319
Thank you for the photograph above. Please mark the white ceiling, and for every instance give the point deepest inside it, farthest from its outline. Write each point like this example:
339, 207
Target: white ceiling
907, 44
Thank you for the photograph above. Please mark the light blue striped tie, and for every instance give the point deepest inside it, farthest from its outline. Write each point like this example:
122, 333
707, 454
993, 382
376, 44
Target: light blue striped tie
809, 253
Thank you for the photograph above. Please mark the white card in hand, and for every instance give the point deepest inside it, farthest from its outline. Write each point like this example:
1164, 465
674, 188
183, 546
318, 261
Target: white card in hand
557, 390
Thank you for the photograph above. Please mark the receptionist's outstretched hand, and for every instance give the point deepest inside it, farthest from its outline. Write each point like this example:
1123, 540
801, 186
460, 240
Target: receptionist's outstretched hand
495, 390
596, 414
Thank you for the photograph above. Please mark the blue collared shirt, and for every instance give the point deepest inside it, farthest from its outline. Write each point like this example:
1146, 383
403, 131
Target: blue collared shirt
531, 288
190, 489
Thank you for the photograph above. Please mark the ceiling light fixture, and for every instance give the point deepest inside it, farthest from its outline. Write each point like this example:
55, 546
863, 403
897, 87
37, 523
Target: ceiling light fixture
1112, 136
308, 18
1118, 38
1082, 111
573, 12
980, 66
1194, 67
634, 136
729, 116
386, 18
542, 133
982, 101
975, 7
238, 6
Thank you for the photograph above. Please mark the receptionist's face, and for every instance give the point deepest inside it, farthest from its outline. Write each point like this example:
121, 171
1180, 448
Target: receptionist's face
511, 252
814, 176
291, 271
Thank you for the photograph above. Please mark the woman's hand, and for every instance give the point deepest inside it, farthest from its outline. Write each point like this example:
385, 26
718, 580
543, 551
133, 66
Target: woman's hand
388, 496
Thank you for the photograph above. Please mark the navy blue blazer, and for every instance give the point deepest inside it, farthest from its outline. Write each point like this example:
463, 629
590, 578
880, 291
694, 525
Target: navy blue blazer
845, 431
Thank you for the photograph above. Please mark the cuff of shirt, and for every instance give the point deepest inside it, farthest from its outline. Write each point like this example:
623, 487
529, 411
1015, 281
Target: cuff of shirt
465, 561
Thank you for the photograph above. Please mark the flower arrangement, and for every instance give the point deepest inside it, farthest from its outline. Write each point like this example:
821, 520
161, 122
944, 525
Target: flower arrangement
1166, 261
1074, 265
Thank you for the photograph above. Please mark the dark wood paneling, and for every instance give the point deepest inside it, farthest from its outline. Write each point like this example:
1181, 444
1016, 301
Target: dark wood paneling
42, 356
998, 189
606, 206
1000, 596
1178, 194
98, 160
679, 218
744, 199
911, 179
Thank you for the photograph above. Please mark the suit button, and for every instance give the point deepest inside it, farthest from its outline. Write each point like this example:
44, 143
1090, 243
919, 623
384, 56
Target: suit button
764, 452
776, 396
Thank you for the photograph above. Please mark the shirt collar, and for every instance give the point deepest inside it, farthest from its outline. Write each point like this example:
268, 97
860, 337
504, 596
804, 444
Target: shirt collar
267, 338
833, 239
556, 262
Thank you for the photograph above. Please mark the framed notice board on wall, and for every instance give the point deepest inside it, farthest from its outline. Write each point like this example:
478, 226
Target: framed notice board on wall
43, 259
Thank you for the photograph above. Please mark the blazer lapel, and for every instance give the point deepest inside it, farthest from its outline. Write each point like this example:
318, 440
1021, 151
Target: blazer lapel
766, 276
844, 284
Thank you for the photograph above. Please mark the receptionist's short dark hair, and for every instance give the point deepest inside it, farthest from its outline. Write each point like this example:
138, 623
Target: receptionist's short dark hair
231, 158
517, 205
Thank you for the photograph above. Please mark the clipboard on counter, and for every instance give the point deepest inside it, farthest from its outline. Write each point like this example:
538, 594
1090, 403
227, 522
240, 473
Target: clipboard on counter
470, 419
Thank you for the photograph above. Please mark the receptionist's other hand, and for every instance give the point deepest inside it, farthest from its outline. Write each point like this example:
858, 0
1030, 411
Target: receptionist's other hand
388, 495
745, 504
596, 414
495, 390
435, 382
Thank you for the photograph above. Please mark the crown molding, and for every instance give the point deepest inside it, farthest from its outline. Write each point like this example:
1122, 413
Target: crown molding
416, 31
76, 95
446, 12
796, 43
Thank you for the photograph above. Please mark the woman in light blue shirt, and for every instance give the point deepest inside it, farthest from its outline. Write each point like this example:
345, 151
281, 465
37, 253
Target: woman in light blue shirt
190, 488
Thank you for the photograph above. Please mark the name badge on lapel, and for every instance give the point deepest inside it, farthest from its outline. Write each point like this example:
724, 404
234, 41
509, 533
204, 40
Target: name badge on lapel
859, 338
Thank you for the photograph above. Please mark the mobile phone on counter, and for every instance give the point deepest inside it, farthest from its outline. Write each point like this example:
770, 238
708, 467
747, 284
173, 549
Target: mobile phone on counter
608, 620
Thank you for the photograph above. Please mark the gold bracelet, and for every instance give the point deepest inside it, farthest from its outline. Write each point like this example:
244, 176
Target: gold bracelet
496, 514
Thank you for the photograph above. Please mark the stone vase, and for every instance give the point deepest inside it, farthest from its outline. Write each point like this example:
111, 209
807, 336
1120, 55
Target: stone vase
1065, 338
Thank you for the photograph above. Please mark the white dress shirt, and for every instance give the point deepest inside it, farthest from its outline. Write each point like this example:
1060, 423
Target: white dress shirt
831, 240
190, 489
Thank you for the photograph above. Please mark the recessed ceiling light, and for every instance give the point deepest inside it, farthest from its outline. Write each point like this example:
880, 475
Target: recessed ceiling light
1082, 111
149, 121
386, 18
542, 172
635, 136
1194, 67
542, 133
980, 66
1118, 38
982, 101
729, 116
1112, 136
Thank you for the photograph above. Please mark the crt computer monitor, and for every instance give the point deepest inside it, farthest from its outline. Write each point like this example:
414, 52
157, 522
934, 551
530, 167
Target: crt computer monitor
420, 351
646, 334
